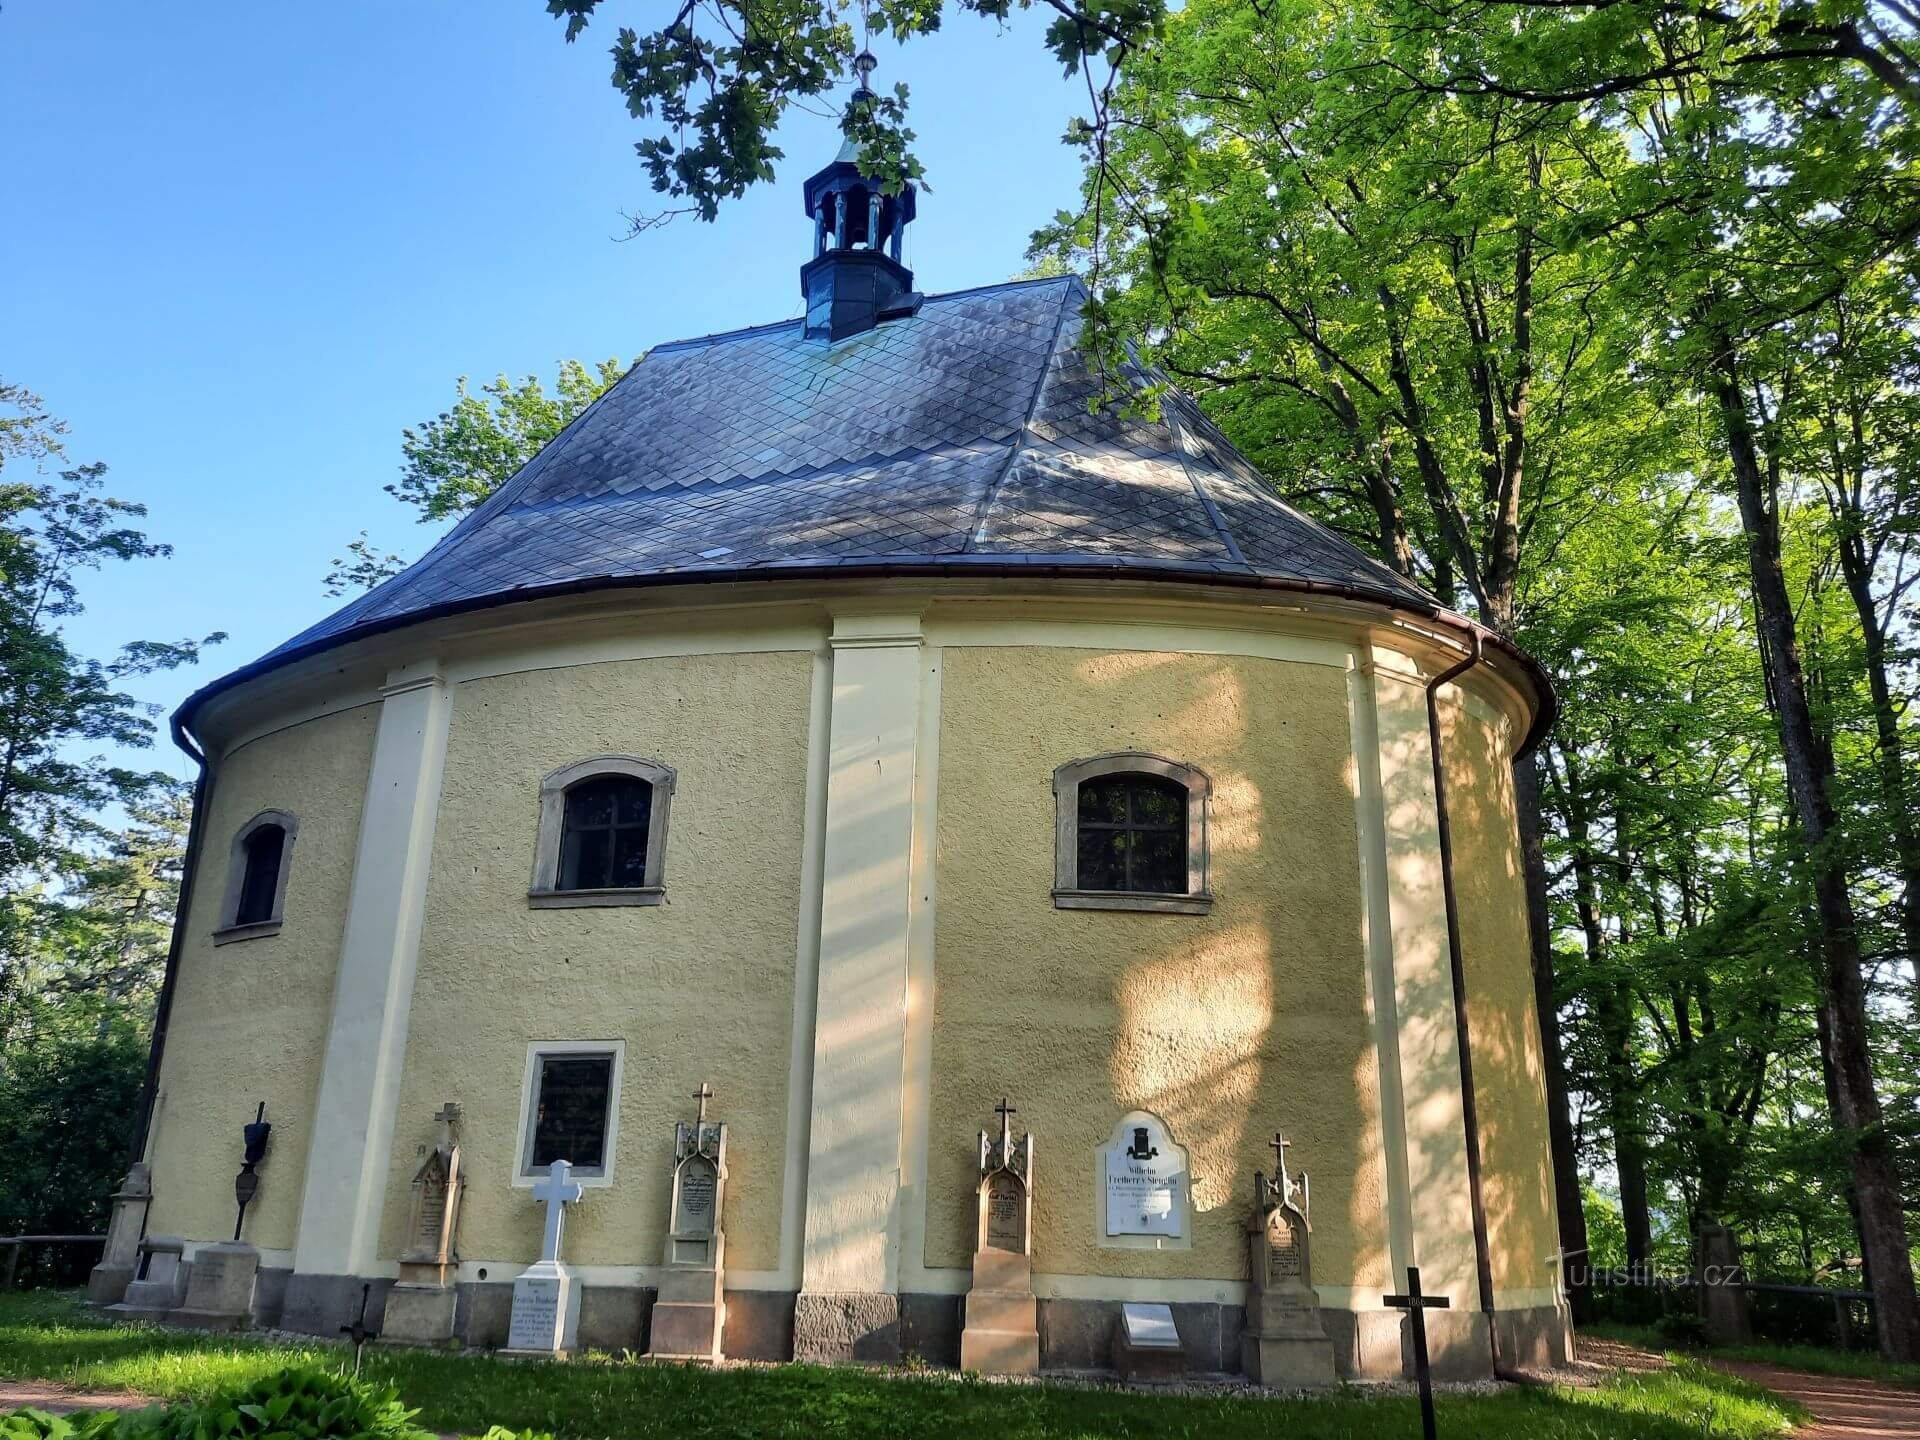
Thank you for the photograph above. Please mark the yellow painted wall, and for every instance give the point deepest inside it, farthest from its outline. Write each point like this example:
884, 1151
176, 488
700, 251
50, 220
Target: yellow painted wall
1509, 1074
700, 988
250, 1018
1227, 1025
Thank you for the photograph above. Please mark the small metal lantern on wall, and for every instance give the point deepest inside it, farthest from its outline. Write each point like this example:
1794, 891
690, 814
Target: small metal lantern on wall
247, 1184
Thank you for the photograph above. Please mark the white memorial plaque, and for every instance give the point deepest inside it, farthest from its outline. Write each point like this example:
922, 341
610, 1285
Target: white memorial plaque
1150, 1327
1145, 1181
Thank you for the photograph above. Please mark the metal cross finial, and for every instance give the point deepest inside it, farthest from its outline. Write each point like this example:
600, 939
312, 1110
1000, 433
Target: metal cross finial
1006, 1113
1280, 1145
703, 1094
446, 1117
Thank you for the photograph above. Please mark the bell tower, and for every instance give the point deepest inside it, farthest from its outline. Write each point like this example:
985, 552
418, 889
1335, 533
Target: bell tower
855, 278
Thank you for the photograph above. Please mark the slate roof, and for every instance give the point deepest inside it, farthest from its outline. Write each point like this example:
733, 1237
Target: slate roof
957, 437
956, 440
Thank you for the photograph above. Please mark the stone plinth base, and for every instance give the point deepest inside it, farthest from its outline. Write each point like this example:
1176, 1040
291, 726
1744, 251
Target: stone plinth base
688, 1314
1002, 1331
220, 1289
162, 1289
1285, 1344
839, 1327
545, 1320
419, 1314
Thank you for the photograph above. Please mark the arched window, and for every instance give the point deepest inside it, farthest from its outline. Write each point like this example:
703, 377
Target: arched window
1131, 834
257, 869
603, 833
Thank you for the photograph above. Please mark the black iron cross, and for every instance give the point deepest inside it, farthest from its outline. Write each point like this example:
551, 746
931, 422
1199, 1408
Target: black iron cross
703, 1094
1417, 1306
358, 1331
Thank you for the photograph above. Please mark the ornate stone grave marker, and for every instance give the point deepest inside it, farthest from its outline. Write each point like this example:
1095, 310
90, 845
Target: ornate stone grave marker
690, 1311
119, 1264
220, 1285
546, 1300
1145, 1199
420, 1305
160, 1285
1002, 1331
1285, 1342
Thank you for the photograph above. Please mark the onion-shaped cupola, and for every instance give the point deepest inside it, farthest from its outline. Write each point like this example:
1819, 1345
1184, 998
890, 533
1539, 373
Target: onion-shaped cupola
855, 278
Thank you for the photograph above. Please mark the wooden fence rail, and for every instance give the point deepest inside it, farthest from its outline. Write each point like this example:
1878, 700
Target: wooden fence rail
17, 1245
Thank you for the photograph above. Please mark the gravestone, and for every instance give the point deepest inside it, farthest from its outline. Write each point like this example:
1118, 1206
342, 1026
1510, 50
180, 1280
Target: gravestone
219, 1288
107, 1282
1002, 1331
421, 1303
1145, 1199
160, 1286
690, 1310
1285, 1342
1146, 1345
545, 1319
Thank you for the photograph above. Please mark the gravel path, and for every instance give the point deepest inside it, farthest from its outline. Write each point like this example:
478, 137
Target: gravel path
1843, 1408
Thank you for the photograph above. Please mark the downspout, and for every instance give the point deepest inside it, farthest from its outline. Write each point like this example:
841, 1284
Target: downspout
163, 1010
1469, 1102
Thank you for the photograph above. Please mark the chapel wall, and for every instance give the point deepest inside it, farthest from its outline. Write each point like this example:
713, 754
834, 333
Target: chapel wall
249, 1020
699, 988
1508, 1067
1228, 1025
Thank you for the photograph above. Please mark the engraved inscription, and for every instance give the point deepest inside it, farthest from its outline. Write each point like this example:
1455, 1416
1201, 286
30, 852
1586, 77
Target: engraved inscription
535, 1320
1283, 1250
1006, 1214
696, 1196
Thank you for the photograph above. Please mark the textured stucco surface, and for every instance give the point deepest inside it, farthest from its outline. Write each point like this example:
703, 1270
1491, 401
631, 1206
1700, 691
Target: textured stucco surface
1509, 1074
1227, 1025
699, 988
250, 1018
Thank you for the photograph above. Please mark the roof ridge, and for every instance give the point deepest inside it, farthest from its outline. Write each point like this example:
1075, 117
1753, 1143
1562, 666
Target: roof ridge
1019, 444
745, 332
1177, 424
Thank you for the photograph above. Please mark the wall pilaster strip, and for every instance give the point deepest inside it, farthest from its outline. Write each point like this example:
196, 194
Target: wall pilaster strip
849, 1305
353, 1119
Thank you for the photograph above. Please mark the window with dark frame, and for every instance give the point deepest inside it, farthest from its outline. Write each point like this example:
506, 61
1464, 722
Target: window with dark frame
265, 849
1132, 835
603, 838
572, 1096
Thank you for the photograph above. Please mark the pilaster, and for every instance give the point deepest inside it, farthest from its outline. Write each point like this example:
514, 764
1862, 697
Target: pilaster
849, 1303
373, 993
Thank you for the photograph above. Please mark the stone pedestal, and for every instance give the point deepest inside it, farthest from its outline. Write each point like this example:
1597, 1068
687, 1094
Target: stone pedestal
119, 1265
161, 1284
220, 1289
419, 1314
1002, 1332
688, 1314
546, 1312
1146, 1346
1285, 1343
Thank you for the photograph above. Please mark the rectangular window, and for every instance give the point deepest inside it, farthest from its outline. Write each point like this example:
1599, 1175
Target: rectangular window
572, 1095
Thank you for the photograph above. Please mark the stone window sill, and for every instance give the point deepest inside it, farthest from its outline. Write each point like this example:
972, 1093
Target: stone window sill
588, 899
1132, 900
227, 934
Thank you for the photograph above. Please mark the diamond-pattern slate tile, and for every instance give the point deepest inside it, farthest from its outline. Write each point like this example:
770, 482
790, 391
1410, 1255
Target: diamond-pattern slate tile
965, 434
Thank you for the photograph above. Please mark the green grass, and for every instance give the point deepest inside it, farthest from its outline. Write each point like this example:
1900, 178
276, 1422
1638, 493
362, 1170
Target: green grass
50, 1337
1814, 1359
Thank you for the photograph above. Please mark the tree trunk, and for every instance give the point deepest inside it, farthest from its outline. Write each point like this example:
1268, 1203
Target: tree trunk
1809, 769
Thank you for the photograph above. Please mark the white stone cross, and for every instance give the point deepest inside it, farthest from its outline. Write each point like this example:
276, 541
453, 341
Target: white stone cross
556, 1192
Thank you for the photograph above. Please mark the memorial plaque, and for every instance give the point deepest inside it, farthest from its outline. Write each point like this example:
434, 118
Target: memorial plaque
432, 1209
1145, 1181
1284, 1260
538, 1307
1150, 1327
697, 1185
1006, 1213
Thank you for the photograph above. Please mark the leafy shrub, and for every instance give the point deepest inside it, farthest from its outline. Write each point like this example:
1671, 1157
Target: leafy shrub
31, 1424
297, 1403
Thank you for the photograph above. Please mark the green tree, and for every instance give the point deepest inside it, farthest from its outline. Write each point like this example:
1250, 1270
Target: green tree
454, 461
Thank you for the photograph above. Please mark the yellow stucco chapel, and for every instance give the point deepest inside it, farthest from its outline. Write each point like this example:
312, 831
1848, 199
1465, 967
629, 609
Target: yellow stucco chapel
846, 730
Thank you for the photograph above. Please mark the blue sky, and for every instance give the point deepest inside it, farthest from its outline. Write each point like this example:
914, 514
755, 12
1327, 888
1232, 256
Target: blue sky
246, 245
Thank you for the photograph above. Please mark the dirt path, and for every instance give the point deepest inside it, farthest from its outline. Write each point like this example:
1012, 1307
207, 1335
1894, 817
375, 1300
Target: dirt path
57, 1399
1843, 1409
